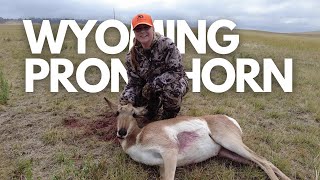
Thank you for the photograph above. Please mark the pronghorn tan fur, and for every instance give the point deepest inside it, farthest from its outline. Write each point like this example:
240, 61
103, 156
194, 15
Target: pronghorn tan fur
184, 140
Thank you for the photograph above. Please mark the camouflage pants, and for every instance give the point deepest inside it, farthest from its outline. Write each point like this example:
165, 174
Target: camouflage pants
170, 95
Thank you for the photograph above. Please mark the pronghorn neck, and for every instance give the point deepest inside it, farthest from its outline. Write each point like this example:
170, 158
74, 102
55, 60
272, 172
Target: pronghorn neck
136, 130
131, 138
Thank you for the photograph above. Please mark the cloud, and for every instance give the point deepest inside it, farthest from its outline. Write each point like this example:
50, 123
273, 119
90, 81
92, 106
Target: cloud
262, 9
269, 15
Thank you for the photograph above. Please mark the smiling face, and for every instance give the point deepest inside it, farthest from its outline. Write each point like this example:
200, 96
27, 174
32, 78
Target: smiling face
144, 34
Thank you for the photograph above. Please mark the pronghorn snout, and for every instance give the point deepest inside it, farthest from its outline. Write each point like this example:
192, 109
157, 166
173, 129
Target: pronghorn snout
122, 133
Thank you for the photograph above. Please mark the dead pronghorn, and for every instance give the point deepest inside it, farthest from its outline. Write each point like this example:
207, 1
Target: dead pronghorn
184, 140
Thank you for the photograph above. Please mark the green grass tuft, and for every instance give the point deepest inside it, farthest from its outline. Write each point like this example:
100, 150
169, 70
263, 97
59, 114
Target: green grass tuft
4, 89
53, 136
23, 169
317, 117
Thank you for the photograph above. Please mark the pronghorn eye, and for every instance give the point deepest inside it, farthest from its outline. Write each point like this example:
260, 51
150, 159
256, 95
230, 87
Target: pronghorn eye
135, 115
117, 113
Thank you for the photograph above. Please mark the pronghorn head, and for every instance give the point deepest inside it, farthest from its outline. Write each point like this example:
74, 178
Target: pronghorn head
126, 117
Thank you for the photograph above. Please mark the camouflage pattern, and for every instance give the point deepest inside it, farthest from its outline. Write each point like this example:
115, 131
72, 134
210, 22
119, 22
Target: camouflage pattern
157, 70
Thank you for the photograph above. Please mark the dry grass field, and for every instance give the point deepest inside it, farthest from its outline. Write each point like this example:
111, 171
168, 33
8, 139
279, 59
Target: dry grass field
65, 135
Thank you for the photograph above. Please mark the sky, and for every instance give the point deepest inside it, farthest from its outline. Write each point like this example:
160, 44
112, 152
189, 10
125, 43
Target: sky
266, 15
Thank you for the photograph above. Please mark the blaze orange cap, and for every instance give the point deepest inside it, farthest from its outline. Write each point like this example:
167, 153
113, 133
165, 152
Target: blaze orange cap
141, 19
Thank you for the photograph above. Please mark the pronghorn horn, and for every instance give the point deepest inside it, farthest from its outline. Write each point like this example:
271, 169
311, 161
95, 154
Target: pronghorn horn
112, 106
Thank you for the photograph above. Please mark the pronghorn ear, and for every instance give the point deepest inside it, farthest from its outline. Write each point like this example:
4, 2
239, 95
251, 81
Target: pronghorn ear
140, 111
111, 105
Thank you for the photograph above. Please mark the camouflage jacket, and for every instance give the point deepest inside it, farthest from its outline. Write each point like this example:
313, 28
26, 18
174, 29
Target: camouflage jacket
160, 65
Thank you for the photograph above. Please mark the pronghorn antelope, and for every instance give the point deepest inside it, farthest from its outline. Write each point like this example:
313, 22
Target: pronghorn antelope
184, 140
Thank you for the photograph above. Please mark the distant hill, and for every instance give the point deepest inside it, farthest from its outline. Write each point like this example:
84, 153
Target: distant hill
312, 33
39, 20
304, 34
9, 21
83, 21
308, 34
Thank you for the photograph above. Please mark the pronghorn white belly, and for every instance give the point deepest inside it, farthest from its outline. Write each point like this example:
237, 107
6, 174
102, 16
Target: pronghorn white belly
194, 141
145, 155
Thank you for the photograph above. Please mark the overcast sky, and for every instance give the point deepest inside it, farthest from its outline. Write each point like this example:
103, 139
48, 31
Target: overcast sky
268, 15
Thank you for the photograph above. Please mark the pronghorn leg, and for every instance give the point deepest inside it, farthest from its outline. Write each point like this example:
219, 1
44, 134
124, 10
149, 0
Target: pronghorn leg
169, 164
279, 172
274, 168
261, 161
237, 158
233, 156
224, 133
233, 142
242, 150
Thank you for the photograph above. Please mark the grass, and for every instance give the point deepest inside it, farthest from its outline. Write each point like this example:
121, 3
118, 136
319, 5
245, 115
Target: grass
283, 127
53, 136
88, 169
4, 89
23, 170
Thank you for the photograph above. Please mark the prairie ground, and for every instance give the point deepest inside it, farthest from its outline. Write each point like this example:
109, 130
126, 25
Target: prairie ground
63, 135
